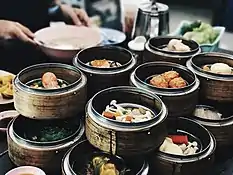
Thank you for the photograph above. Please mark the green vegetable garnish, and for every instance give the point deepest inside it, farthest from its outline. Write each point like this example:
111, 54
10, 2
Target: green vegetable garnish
124, 112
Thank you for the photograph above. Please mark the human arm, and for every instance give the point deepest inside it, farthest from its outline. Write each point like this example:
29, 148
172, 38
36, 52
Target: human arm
12, 30
77, 16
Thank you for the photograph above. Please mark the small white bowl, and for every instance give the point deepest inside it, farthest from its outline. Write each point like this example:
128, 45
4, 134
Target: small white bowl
26, 170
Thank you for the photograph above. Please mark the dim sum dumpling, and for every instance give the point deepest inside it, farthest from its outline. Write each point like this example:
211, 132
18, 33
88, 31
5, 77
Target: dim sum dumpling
177, 45
220, 68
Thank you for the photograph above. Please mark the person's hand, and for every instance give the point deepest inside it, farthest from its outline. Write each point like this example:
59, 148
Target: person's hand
11, 30
78, 16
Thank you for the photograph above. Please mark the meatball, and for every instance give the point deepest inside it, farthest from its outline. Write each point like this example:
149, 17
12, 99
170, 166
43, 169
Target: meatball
177, 83
159, 81
168, 76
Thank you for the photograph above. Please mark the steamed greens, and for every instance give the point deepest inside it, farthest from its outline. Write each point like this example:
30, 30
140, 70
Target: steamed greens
49, 134
200, 32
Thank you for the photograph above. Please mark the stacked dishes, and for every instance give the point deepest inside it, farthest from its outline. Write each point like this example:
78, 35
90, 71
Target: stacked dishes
42, 143
175, 157
170, 49
50, 108
105, 67
215, 73
176, 85
217, 122
214, 86
47, 103
116, 118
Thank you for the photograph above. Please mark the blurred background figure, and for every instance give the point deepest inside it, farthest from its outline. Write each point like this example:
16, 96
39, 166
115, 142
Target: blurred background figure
18, 22
114, 14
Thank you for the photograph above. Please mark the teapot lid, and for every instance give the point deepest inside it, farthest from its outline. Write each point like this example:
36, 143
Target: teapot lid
146, 6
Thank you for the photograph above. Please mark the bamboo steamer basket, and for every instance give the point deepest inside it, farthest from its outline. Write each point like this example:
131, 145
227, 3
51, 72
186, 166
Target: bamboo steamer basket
213, 87
154, 50
77, 157
125, 139
199, 163
50, 103
47, 156
175, 99
221, 129
102, 78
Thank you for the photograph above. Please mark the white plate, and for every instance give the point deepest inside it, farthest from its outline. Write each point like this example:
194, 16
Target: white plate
111, 36
3, 100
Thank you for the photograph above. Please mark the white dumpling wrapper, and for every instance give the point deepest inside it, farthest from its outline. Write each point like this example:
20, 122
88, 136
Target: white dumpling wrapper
221, 68
177, 45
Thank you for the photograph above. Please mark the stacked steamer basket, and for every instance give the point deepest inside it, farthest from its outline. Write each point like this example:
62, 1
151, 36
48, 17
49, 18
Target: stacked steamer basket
50, 121
175, 98
154, 50
169, 160
154, 75
181, 96
109, 137
215, 109
118, 64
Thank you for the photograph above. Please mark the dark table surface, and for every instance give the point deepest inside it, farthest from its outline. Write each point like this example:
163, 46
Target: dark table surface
224, 167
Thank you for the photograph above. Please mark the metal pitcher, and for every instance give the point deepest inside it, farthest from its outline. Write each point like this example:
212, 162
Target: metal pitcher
152, 20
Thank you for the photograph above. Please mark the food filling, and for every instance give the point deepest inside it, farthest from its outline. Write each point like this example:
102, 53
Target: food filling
104, 63
170, 79
48, 81
6, 86
218, 68
49, 134
207, 114
177, 45
66, 43
179, 145
117, 112
101, 165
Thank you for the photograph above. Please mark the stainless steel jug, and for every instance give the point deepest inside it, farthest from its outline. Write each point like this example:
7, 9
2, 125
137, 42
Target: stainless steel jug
152, 20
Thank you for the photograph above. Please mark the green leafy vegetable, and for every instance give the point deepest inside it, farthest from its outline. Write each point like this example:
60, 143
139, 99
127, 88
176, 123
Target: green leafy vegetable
200, 32
49, 134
